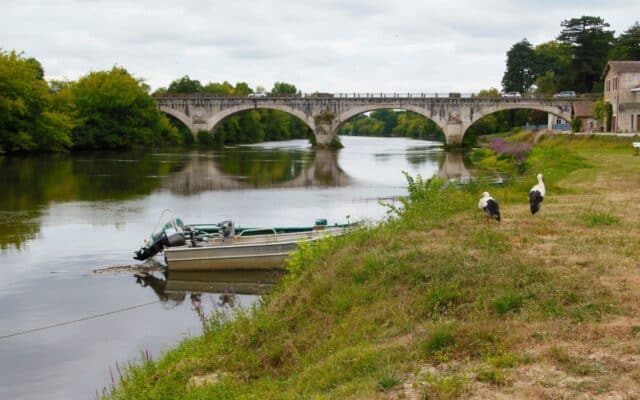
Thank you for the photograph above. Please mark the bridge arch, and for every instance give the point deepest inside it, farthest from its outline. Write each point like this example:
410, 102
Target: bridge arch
346, 115
556, 110
180, 116
216, 119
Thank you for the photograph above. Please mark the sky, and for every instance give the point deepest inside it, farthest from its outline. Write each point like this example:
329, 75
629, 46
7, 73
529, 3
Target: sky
319, 45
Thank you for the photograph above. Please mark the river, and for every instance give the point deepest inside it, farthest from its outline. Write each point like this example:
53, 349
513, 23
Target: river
63, 216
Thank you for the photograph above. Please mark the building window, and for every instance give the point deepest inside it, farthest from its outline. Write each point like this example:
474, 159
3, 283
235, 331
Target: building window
608, 85
615, 83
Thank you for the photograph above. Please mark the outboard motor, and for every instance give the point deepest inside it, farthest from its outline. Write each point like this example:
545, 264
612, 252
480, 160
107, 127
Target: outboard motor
227, 229
172, 234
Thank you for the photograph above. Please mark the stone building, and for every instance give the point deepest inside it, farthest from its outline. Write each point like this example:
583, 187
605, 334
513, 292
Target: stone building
622, 91
583, 110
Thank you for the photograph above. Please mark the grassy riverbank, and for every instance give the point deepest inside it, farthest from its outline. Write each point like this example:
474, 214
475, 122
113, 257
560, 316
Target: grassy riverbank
436, 303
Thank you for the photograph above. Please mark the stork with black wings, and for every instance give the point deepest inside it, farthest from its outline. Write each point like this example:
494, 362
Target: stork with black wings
490, 206
536, 195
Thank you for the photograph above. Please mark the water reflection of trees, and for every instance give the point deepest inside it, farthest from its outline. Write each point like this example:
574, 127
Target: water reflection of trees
31, 183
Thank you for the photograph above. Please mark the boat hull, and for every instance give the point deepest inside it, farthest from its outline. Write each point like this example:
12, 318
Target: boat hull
249, 253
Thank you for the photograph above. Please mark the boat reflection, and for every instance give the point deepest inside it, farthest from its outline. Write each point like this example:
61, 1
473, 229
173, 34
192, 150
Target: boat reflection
172, 287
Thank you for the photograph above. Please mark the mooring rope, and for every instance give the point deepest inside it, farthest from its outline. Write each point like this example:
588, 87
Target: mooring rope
78, 320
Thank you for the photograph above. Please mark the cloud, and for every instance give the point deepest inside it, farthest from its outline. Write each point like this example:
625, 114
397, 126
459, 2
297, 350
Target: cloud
325, 45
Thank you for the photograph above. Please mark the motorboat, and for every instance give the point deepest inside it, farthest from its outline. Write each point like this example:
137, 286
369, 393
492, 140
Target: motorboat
222, 246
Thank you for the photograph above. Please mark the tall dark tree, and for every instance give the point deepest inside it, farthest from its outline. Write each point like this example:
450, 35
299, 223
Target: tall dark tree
591, 41
519, 75
185, 85
627, 45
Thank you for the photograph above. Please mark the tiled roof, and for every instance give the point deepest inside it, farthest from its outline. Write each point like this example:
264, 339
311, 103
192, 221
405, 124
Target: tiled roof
622, 67
582, 109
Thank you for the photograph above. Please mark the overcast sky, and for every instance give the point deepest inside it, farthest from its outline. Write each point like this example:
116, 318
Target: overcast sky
323, 45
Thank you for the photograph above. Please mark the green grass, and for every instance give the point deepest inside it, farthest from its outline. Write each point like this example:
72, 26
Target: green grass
444, 387
432, 285
574, 364
600, 219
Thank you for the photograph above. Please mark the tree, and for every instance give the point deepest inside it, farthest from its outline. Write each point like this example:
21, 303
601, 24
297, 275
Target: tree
599, 109
627, 45
284, 89
30, 117
590, 42
489, 93
519, 75
220, 89
552, 67
115, 111
389, 117
242, 89
159, 91
546, 84
185, 85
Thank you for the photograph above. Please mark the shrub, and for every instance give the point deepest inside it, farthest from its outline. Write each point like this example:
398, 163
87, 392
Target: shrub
576, 125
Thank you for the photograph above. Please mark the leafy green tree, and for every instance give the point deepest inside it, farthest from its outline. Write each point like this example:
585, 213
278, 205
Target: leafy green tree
489, 93
185, 85
159, 91
284, 89
115, 111
37, 67
599, 109
30, 118
388, 117
552, 67
416, 126
242, 89
546, 84
520, 74
590, 41
627, 45
220, 89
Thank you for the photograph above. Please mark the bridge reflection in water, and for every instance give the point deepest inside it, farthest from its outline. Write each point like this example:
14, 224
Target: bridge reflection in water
319, 168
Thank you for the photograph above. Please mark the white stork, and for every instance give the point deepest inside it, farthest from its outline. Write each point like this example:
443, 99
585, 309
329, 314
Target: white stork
490, 206
536, 195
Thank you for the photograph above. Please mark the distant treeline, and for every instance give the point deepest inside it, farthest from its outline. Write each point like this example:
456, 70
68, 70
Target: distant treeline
101, 110
574, 61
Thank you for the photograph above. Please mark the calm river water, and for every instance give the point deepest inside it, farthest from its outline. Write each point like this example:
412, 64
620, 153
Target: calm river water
62, 217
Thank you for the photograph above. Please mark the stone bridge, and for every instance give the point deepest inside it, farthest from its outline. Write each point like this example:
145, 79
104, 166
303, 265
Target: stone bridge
325, 114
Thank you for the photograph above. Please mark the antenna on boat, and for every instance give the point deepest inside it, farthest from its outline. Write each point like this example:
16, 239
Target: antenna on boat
166, 210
